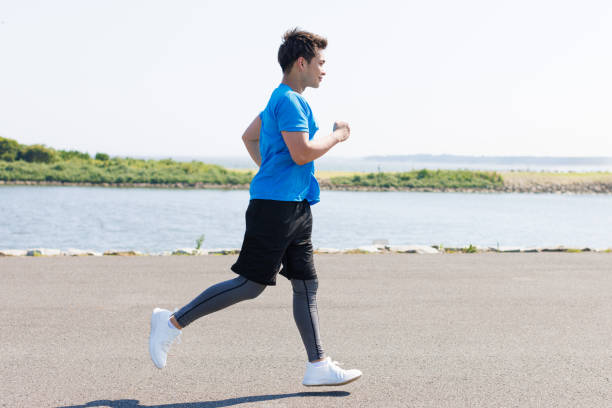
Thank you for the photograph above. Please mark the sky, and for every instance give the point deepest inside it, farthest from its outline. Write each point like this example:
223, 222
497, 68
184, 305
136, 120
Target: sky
172, 79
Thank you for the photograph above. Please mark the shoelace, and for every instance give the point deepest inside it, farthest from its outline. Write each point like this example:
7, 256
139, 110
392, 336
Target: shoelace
168, 342
339, 371
336, 366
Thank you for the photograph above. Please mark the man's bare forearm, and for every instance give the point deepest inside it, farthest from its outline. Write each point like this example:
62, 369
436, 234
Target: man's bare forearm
252, 147
316, 148
319, 146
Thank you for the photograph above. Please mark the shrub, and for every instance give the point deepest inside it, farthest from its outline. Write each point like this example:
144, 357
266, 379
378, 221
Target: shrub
470, 249
9, 149
199, 242
424, 179
422, 174
37, 154
39, 163
72, 154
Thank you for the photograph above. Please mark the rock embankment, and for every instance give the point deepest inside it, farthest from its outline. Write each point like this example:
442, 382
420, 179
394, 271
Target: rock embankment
129, 185
563, 188
510, 186
522, 185
366, 249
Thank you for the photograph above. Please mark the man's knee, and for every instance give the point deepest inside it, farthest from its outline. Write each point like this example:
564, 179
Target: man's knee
305, 287
253, 289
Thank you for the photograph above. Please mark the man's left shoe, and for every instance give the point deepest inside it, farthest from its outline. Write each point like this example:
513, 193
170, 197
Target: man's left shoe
328, 373
161, 337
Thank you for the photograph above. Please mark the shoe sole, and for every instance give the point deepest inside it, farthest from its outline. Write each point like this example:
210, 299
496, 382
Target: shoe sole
332, 385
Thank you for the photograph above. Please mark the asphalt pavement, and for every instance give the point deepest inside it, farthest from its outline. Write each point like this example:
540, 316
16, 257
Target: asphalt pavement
451, 330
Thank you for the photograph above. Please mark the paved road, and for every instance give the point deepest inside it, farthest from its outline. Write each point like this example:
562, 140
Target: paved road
462, 330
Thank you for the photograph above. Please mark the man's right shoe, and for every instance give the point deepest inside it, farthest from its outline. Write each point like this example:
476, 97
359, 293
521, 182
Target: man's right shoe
328, 374
161, 337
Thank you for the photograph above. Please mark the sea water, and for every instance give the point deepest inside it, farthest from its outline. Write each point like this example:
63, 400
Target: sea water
155, 220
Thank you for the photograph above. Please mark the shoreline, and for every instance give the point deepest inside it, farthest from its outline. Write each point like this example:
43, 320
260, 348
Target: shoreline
513, 186
366, 249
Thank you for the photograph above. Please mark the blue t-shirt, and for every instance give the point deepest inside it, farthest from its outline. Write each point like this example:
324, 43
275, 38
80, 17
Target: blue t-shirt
279, 177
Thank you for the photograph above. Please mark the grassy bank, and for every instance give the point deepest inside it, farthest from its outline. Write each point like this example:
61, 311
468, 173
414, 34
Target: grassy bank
507, 181
121, 171
434, 179
40, 164
37, 163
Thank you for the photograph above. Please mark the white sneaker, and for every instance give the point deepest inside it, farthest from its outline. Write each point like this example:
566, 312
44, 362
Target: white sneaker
161, 337
328, 374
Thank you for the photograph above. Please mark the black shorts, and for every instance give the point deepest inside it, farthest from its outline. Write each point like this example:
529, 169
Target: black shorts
277, 232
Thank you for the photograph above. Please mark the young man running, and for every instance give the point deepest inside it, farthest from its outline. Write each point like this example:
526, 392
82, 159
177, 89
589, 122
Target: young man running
278, 218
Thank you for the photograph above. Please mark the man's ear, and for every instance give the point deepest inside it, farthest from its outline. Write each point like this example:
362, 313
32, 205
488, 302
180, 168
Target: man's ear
301, 61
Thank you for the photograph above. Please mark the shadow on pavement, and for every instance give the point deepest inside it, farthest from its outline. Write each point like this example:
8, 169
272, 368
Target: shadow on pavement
130, 403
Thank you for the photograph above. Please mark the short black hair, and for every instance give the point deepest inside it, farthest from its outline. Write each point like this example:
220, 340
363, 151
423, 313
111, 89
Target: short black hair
298, 43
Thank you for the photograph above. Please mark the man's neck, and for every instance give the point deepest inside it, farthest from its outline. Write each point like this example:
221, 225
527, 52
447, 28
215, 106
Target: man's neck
293, 83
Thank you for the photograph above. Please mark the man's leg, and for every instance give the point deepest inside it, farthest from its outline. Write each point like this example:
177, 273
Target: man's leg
165, 327
320, 370
218, 297
306, 316
299, 267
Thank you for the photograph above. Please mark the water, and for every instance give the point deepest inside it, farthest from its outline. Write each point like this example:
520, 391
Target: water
154, 220
434, 162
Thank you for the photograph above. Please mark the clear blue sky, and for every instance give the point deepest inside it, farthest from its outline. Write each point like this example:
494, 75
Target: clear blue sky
185, 78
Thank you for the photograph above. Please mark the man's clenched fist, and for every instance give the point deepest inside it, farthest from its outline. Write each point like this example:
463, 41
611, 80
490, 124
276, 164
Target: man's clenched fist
342, 131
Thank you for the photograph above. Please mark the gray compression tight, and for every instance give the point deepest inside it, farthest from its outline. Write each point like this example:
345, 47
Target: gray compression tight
306, 315
232, 291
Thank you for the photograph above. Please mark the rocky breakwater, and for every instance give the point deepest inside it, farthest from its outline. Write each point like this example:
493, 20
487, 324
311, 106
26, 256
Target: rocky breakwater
127, 185
577, 187
375, 248
511, 184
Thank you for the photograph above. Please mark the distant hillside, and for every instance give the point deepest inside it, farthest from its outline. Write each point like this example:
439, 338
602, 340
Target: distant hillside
504, 160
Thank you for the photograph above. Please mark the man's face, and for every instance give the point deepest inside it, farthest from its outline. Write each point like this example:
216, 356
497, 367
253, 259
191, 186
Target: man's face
313, 72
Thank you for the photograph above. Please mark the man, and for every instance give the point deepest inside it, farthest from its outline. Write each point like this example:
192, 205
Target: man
278, 218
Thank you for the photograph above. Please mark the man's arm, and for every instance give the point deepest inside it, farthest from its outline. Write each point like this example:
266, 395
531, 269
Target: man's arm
251, 140
304, 151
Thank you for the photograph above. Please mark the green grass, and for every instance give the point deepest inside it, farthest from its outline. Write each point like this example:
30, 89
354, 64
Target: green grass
356, 251
470, 249
443, 179
119, 170
84, 169
39, 163
199, 241
44, 164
